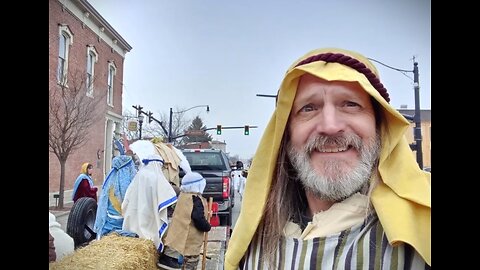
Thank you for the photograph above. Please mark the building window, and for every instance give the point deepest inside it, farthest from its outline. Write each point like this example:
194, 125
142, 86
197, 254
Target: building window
112, 69
65, 40
92, 58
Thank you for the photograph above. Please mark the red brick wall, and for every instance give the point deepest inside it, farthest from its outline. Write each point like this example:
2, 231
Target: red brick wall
83, 36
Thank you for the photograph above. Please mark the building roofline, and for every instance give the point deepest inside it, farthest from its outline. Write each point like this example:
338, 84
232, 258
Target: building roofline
96, 17
425, 115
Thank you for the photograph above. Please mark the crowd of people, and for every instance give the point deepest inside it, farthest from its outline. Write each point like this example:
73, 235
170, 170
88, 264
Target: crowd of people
134, 199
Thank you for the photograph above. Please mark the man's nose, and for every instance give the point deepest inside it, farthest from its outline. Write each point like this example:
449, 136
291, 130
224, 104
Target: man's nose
329, 121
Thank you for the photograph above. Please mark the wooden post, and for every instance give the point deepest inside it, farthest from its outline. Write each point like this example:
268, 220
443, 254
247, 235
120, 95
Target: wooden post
205, 235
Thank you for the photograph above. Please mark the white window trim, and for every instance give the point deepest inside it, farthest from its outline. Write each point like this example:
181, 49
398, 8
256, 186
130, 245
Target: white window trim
91, 49
63, 29
111, 65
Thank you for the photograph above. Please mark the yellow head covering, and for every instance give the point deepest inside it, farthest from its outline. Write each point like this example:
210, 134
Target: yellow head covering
85, 168
402, 200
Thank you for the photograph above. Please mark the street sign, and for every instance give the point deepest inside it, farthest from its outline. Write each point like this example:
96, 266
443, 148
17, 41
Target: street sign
197, 132
132, 125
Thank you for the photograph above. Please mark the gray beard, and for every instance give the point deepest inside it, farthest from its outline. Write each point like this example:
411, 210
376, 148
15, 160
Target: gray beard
338, 181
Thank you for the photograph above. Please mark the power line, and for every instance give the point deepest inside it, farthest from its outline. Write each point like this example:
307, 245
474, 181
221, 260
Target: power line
390, 67
417, 130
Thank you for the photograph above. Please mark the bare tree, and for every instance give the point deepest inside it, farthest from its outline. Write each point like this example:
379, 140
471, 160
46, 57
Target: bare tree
180, 123
153, 129
71, 113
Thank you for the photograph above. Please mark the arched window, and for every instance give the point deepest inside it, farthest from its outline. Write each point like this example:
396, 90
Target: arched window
65, 40
92, 58
112, 70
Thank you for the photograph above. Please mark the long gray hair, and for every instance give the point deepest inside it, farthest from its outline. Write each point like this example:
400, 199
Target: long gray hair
287, 200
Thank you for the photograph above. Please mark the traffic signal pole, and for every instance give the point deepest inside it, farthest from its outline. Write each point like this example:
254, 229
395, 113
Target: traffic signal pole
149, 114
417, 133
223, 127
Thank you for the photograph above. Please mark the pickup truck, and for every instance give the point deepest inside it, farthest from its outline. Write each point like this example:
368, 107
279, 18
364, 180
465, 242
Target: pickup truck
213, 165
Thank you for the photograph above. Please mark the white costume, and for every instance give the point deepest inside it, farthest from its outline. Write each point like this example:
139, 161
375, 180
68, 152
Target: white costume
241, 187
236, 179
146, 201
64, 244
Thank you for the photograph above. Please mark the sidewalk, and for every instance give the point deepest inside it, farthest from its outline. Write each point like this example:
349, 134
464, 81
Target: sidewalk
61, 215
67, 197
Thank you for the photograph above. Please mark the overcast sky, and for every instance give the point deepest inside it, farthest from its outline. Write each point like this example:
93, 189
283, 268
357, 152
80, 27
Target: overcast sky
225, 52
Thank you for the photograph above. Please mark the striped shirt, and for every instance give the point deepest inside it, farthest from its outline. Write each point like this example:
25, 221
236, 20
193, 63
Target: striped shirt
364, 246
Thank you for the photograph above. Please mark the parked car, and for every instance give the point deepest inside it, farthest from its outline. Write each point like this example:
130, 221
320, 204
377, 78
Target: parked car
213, 165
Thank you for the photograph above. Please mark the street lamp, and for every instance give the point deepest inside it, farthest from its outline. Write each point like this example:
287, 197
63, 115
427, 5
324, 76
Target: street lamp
171, 115
140, 122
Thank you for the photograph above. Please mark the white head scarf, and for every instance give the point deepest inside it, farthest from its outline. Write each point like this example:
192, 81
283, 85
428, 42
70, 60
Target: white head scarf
193, 182
143, 149
184, 164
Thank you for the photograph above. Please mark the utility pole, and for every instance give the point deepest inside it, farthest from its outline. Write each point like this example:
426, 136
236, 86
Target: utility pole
140, 117
170, 137
149, 114
417, 133
151, 118
170, 126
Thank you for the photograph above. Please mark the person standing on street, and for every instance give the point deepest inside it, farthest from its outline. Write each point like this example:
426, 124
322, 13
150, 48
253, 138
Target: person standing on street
144, 206
83, 186
189, 223
242, 182
109, 210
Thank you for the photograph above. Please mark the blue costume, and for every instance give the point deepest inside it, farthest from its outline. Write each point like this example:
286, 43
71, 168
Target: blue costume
109, 213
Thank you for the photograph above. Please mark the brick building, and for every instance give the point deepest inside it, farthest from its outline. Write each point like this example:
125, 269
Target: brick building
81, 41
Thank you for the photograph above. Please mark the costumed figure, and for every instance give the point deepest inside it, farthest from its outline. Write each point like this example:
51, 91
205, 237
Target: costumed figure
109, 212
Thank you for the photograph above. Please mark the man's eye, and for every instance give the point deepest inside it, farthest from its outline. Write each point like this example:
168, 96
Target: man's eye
307, 108
351, 104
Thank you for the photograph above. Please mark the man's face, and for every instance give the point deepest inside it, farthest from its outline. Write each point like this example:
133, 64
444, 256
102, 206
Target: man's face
333, 139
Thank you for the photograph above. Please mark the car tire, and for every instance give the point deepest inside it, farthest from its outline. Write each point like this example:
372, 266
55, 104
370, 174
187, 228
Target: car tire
81, 221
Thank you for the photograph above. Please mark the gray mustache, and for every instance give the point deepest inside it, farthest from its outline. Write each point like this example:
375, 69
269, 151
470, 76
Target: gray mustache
343, 140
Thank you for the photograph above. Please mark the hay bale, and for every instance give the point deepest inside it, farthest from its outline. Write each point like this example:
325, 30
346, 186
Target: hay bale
111, 252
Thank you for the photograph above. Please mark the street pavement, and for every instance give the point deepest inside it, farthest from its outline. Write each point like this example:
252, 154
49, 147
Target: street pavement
217, 237
61, 216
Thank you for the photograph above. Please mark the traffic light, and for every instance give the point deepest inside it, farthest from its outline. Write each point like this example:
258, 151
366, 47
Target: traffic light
219, 129
150, 117
247, 130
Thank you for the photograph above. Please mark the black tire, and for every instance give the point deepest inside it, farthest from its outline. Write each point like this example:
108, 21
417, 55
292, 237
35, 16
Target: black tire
81, 221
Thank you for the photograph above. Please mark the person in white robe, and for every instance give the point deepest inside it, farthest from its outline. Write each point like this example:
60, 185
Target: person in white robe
146, 200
